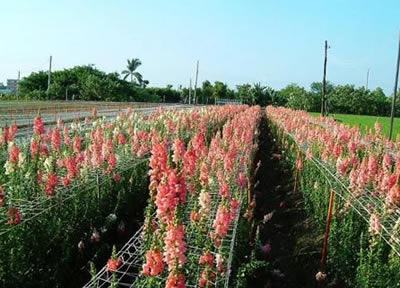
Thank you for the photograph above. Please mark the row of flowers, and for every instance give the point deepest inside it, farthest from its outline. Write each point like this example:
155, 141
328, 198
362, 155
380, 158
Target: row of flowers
196, 190
370, 164
64, 181
59, 157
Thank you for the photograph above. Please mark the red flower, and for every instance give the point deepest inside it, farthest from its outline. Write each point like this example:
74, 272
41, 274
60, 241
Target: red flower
95, 237
55, 139
14, 217
121, 139
77, 144
38, 127
13, 155
175, 280
117, 177
50, 184
113, 264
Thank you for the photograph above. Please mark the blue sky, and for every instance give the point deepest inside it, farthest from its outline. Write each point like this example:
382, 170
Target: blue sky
272, 42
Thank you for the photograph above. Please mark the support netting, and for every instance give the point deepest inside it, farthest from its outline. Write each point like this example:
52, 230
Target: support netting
133, 254
360, 180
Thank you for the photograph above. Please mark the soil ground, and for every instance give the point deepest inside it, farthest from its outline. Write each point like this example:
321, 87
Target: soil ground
290, 243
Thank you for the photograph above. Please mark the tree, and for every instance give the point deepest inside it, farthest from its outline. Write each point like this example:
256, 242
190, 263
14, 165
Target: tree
244, 93
34, 86
133, 64
258, 94
316, 95
297, 97
220, 90
206, 93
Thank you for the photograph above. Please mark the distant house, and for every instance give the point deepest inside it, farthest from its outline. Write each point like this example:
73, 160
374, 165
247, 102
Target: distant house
4, 89
12, 84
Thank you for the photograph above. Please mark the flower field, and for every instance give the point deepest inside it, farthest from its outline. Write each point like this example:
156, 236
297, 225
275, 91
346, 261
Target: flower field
363, 172
171, 199
66, 188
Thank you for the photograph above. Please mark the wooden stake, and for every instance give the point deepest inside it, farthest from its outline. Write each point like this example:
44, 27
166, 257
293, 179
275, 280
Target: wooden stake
326, 236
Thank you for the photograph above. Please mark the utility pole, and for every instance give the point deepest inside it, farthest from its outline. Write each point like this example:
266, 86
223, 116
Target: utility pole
19, 77
366, 86
395, 92
323, 100
49, 75
190, 90
195, 83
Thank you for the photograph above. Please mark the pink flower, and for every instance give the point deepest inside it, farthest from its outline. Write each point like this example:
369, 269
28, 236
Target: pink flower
50, 184
70, 164
224, 190
374, 224
179, 150
34, 147
13, 155
154, 264
113, 264
221, 223
55, 139
112, 160
207, 259
65, 181
393, 196
206, 278
121, 139
38, 127
175, 280
117, 177
204, 174
12, 131
175, 246
77, 144
241, 180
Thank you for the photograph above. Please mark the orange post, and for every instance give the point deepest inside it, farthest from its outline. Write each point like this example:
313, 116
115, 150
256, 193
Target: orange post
328, 224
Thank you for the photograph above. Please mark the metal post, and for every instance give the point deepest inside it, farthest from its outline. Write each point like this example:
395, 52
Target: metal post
395, 92
19, 77
195, 83
190, 91
49, 75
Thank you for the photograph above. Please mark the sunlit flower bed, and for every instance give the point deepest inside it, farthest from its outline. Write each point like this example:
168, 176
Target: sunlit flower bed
197, 192
364, 172
63, 190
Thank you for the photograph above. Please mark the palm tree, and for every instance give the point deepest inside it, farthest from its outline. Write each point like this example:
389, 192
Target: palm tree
132, 66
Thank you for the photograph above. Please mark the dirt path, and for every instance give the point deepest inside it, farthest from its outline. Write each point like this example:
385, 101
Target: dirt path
288, 241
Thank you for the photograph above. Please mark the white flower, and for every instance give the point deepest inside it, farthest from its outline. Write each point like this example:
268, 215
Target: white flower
9, 168
320, 276
21, 159
268, 217
48, 164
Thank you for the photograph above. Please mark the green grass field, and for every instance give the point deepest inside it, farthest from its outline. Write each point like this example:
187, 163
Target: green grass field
364, 121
